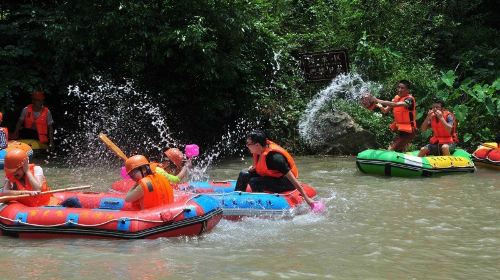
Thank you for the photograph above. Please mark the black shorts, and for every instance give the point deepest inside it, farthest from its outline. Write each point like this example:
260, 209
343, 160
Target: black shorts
435, 149
401, 141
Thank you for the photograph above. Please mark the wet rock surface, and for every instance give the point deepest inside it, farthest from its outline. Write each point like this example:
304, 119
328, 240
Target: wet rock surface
337, 133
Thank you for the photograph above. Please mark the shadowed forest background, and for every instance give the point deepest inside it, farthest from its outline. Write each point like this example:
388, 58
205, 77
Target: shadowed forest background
211, 63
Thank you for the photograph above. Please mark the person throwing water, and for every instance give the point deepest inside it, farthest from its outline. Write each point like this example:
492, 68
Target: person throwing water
403, 106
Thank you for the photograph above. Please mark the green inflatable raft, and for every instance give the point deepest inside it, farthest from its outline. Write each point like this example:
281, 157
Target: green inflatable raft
390, 163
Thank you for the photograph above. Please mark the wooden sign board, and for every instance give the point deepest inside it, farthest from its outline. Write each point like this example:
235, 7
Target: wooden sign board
322, 66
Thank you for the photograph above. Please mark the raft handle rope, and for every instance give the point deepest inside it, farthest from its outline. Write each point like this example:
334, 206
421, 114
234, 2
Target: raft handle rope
250, 193
118, 220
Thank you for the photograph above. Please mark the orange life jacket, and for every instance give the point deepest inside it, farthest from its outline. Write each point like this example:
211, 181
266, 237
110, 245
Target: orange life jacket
260, 161
6, 131
404, 118
39, 200
439, 133
40, 123
157, 191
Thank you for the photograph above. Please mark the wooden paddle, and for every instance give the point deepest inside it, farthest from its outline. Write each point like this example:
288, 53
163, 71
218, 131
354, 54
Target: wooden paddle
112, 146
14, 197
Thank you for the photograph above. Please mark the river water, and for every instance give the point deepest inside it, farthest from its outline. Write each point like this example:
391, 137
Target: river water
374, 228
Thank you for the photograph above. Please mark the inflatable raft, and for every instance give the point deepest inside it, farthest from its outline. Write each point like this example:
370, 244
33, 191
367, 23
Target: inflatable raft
107, 215
34, 144
236, 205
15, 145
390, 163
487, 155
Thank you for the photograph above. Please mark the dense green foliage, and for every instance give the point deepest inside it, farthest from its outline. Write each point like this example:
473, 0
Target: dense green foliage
211, 62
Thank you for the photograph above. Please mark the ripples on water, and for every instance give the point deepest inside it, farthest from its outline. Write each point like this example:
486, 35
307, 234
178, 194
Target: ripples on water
375, 227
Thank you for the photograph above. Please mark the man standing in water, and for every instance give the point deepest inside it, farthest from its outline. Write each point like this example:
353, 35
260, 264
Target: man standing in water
273, 168
36, 121
403, 107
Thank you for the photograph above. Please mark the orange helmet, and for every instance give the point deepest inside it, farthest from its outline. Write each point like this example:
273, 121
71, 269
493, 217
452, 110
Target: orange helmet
135, 161
1, 117
38, 95
14, 159
175, 155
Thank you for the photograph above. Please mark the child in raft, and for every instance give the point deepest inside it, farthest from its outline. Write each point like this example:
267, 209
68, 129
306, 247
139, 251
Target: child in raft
174, 168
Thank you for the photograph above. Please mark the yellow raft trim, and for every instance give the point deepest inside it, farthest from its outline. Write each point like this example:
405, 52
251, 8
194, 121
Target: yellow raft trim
438, 162
34, 144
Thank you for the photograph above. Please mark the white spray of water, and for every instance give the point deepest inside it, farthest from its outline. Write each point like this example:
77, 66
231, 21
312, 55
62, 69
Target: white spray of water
130, 118
137, 125
350, 87
230, 143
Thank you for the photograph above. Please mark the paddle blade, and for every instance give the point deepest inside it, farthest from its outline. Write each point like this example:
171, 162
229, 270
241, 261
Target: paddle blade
112, 146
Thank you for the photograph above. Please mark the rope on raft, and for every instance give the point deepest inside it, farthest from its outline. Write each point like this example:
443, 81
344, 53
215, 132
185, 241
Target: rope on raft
70, 222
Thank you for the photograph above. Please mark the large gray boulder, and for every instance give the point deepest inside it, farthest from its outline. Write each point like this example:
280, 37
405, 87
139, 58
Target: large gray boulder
336, 132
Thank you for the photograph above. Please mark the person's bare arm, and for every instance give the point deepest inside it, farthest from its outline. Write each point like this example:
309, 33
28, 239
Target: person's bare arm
298, 186
134, 194
425, 124
390, 103
383, 109
35, 181
447, 126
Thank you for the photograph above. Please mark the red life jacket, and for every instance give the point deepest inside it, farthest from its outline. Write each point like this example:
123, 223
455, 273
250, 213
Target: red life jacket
260, 161
483, 152
157, 191
6, 131
494, 155
39, 200
404, 118
439, 133
40, 123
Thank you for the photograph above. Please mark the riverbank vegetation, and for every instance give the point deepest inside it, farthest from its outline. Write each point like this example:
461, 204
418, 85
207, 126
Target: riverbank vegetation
209, 63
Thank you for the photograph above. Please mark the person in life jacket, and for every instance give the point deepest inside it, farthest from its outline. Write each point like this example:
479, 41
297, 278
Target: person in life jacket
168, 168
273, 168
24, 178
151, 189
403, 106
4, 135
444, 131
174, 167
36, 121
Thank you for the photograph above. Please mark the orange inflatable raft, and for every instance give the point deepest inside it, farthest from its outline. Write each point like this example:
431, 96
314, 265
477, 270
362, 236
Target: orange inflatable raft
107, 215
487, 155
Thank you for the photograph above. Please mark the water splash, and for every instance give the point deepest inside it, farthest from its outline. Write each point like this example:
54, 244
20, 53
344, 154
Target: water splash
137, 125
129, 117
350, 87
230, 143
